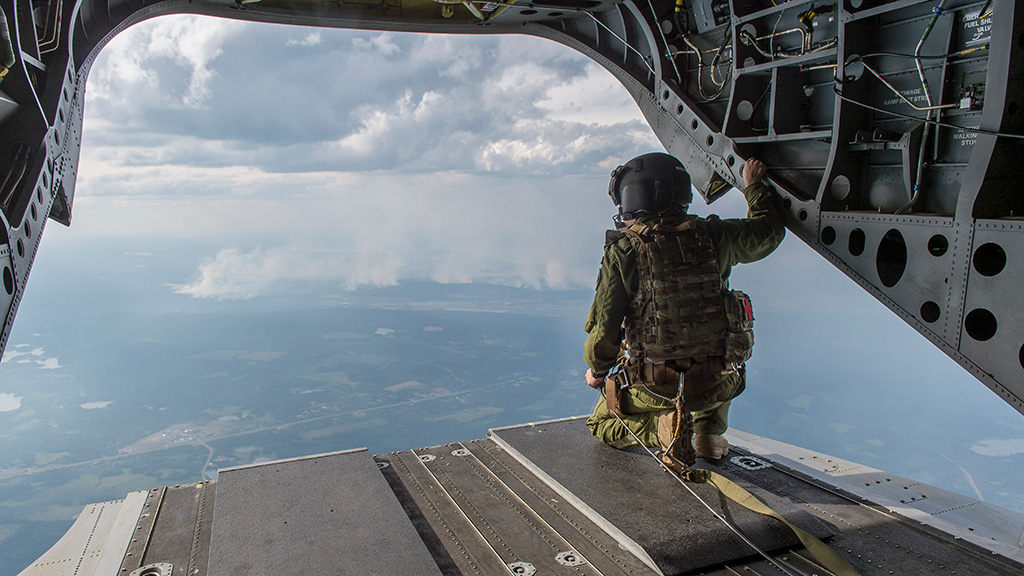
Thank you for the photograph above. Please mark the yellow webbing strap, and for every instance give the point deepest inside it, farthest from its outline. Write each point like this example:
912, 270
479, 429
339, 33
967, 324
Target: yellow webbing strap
821, 552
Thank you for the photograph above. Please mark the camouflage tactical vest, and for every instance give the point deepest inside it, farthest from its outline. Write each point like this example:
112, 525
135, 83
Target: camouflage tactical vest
679, 311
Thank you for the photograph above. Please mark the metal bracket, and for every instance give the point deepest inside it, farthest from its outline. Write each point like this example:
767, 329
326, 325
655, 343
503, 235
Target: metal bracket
158, 569
570, 558
524, 568
750, 462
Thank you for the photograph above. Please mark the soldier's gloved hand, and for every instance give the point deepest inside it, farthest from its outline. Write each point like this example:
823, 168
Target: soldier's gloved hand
593, 381
753, 171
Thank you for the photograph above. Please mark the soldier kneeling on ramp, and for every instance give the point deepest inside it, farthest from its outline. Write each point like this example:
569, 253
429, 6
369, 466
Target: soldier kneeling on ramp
667, 337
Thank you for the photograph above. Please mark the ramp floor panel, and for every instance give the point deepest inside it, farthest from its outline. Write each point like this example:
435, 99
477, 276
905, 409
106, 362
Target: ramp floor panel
629, 489
624, 486
593, 542
532, 499
487, 514
327, 514
174, 528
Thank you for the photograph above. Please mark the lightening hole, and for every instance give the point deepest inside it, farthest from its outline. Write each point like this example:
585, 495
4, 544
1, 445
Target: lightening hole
989, 259
828, 235
857, 242
930, 311
980, 324
891, 258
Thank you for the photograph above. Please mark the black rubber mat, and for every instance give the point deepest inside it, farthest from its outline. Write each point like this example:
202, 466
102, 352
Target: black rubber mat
630, 490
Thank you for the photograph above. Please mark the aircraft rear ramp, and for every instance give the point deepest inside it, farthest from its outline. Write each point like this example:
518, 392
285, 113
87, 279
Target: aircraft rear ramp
532, 499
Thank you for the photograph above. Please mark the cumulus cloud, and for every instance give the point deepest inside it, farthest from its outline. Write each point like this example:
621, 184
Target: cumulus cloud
363, 159
196, 92
167, 60
237, 275
312, 39
593, 97
382, 43
385, 229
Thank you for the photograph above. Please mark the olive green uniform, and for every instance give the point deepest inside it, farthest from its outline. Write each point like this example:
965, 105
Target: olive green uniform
736, 241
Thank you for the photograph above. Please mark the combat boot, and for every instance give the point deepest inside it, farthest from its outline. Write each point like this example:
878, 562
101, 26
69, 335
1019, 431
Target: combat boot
674, 437
710, 446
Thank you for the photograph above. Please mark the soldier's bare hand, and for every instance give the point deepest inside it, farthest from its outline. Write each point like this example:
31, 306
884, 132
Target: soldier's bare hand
593, 382
753, 171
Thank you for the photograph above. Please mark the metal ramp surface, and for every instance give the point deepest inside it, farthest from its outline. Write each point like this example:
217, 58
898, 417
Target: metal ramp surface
533, 499
481, 512
326, 514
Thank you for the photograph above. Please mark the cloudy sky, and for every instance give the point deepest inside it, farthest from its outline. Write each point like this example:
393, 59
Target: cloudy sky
294, 157
358, 157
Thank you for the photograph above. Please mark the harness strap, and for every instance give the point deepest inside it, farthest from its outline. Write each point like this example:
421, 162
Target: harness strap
612, 398
821, 552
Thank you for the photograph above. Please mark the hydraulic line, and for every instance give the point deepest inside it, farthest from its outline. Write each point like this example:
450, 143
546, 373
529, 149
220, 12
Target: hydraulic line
52, 41
746, 38
6, 48
664, 40
926, 132
936, 12
700, 70
14, 175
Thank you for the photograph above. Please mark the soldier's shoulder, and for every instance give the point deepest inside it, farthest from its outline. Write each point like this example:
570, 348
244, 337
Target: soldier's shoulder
612, 237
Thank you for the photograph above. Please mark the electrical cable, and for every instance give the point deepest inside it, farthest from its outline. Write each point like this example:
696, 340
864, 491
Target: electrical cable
775, 28
620, 39
715, 63
917, 119
664, 40
857, 57
982, 13
902, 97
757, 104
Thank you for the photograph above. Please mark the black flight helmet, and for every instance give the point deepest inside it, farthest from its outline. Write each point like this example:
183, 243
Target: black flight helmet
649, 185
